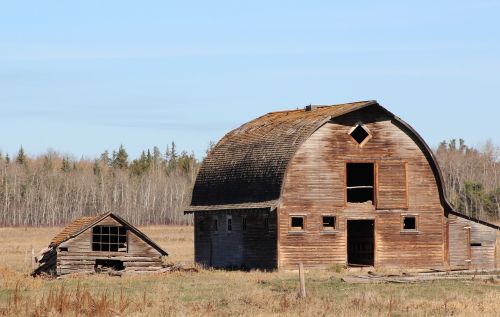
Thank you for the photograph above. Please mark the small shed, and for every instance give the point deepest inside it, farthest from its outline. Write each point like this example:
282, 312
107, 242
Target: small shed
97, 244
350, 184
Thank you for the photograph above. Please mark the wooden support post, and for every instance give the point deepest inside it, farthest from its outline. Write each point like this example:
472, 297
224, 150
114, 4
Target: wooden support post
302, 279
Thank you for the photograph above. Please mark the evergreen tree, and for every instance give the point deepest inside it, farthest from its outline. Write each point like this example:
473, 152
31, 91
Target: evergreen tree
120, 158
96, 168
141, 165
105, 158
21, 157
48, 162
66, 166
156, 155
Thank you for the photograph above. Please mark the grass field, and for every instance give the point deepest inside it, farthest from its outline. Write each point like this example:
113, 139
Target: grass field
219, 293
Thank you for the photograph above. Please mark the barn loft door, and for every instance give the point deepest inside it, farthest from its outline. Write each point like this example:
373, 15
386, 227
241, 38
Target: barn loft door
392, 185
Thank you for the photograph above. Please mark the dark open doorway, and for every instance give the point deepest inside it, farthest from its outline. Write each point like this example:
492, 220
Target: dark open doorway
360, 242
360, 182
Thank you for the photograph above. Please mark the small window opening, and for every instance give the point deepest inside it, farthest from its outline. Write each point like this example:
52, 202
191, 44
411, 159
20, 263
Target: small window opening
297, 223
360, 182
409, 223
229, 223
329, 223
266, 223
63, 249
475, 244
244, 223
108, 265
215, 224
109, 239
359, 134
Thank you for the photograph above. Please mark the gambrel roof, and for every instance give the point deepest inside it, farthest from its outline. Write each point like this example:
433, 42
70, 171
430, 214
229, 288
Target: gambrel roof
247, 166
83, 223
245, 170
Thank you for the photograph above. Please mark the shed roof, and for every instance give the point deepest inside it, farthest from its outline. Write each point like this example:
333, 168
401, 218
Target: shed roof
247, 166
83, 223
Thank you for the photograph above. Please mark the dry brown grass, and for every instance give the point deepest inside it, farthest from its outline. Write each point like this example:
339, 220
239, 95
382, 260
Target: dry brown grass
221, 293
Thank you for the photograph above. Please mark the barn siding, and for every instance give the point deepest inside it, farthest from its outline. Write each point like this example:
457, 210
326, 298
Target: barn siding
463, 233
80, 258
254, 247
314, 185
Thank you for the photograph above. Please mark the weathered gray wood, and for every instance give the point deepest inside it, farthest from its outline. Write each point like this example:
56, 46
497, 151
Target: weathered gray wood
302, 281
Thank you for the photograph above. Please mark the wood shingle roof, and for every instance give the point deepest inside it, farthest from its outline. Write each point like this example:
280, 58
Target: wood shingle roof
247, 166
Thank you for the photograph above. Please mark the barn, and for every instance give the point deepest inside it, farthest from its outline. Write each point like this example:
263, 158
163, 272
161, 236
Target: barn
348, 184
99, 244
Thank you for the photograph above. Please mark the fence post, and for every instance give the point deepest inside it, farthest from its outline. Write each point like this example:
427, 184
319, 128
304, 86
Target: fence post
302, 279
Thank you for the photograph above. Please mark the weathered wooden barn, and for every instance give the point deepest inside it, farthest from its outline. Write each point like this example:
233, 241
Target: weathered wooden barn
349, 184
100, 243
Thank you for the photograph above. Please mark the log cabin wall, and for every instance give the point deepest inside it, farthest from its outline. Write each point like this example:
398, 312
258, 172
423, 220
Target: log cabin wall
251, 243
471, 245
314, 186
79, 257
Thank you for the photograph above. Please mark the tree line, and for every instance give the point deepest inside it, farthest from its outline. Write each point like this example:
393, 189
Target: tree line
471, 177
155, 188
54, 189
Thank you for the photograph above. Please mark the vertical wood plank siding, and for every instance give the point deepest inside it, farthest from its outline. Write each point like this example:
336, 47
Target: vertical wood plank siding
464, 250
314, 185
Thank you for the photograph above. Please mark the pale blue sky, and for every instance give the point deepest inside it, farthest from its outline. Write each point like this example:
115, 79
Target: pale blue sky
83, 77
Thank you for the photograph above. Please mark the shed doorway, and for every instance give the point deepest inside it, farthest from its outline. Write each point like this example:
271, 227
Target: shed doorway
360, 242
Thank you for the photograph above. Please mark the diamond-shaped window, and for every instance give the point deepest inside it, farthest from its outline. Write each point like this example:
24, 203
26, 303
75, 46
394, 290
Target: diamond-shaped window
360, 134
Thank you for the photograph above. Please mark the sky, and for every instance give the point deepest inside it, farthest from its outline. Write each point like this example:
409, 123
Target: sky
80, 77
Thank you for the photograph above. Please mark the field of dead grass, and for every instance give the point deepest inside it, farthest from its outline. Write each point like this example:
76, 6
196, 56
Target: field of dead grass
219, 293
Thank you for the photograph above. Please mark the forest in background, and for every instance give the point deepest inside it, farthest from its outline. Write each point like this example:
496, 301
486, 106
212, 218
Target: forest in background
54, 189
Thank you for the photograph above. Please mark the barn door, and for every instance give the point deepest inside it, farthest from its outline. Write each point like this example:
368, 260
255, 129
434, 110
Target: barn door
361, 242
392, 185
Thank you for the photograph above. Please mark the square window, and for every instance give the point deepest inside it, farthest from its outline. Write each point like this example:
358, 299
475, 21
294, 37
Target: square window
297, 223
409, 223
329, 223
109, 239
359, 134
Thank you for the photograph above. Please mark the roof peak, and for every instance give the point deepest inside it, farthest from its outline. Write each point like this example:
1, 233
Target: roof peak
316, 106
